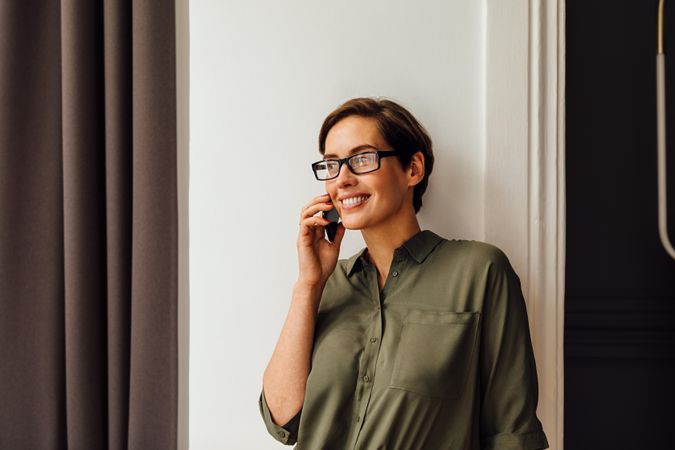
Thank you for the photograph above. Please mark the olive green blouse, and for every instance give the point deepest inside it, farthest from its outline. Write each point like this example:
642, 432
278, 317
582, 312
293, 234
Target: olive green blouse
440, 359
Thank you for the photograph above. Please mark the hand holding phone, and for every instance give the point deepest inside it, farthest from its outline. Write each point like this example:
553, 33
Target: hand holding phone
316, 257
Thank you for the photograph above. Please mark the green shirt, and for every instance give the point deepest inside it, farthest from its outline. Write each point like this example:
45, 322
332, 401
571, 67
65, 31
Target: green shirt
440, 359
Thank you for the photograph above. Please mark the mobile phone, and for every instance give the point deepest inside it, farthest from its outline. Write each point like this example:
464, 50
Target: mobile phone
334, 218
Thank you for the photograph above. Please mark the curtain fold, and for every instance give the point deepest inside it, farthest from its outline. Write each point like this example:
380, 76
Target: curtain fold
88, 225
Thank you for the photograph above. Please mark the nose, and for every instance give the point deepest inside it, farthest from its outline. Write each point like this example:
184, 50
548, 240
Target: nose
345, 178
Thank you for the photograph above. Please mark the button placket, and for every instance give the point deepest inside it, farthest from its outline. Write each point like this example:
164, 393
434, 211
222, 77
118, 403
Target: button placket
396, 265
370, 354
392, 276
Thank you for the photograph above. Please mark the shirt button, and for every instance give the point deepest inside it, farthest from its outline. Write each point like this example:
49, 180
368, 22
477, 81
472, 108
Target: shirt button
281, 433
366, 378
358, 418
373, 339
395, 273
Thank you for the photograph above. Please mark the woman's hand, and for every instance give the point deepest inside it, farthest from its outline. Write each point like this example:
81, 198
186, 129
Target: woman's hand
317, 257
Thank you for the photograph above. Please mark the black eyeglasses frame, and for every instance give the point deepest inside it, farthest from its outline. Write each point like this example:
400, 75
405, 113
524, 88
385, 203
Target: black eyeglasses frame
381, 153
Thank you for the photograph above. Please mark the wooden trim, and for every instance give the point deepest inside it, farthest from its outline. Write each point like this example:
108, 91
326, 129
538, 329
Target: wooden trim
525, 178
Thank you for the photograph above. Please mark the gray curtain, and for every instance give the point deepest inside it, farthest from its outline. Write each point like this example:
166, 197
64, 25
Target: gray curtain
88, 225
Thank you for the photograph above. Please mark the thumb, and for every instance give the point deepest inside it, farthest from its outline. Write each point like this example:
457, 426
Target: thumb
339, 234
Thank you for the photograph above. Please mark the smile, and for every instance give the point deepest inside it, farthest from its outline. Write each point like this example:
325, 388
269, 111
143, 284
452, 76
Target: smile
354, 202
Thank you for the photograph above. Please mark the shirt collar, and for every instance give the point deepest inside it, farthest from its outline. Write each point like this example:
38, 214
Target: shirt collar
418, 246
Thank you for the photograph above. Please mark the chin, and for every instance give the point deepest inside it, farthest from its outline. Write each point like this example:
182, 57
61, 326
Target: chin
354, 224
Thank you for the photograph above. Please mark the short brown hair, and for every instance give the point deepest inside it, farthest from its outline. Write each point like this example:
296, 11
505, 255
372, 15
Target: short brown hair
397, 126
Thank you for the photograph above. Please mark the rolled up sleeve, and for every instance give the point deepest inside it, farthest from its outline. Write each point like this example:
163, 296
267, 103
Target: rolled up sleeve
508, 375
286, 434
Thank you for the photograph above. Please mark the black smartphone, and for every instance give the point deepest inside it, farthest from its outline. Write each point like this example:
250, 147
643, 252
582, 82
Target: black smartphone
334, 218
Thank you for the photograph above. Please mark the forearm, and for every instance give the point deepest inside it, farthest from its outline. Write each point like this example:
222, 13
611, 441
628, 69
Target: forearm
285, 377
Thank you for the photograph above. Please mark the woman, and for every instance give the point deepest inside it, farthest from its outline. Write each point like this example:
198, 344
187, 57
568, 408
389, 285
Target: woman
416, 341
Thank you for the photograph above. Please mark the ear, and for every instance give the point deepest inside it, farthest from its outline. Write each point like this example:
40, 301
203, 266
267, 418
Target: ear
417, 167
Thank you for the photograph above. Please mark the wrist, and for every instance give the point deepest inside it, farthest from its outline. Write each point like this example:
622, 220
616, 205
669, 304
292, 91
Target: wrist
308, 285
312, 289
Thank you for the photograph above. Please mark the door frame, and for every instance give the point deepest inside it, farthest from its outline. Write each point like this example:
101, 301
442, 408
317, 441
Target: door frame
182, 9
525, 174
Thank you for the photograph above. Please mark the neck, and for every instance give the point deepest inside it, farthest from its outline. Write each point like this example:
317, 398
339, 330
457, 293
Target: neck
383, 240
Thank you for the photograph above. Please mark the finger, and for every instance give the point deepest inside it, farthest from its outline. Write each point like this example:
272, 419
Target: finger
316, 200
313, 209
339, 234
314, 221
318, 208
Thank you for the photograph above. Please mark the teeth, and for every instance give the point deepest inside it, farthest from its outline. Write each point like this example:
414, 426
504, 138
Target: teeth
354, 200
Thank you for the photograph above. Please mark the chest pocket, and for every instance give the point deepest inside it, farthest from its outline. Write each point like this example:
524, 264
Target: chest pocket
435, 352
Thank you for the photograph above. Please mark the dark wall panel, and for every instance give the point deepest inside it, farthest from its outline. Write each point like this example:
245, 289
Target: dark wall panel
620, 282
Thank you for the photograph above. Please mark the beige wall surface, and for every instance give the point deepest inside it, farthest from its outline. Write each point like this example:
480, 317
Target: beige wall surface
262, 77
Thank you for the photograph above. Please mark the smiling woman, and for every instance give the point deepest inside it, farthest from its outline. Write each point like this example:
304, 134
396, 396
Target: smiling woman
416, 342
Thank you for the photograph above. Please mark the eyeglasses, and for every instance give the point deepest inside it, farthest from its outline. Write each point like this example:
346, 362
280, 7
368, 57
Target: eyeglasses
360, 163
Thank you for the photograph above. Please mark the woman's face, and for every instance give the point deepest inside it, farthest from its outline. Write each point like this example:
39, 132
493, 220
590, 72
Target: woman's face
389, 195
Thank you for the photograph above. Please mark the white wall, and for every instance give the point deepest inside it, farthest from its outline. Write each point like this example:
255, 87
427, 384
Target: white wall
263, 75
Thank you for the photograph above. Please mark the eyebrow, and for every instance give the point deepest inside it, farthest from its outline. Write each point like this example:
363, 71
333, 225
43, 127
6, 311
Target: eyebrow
354, 150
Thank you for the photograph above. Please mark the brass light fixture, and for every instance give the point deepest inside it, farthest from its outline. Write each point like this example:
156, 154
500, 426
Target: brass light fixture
661, 135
